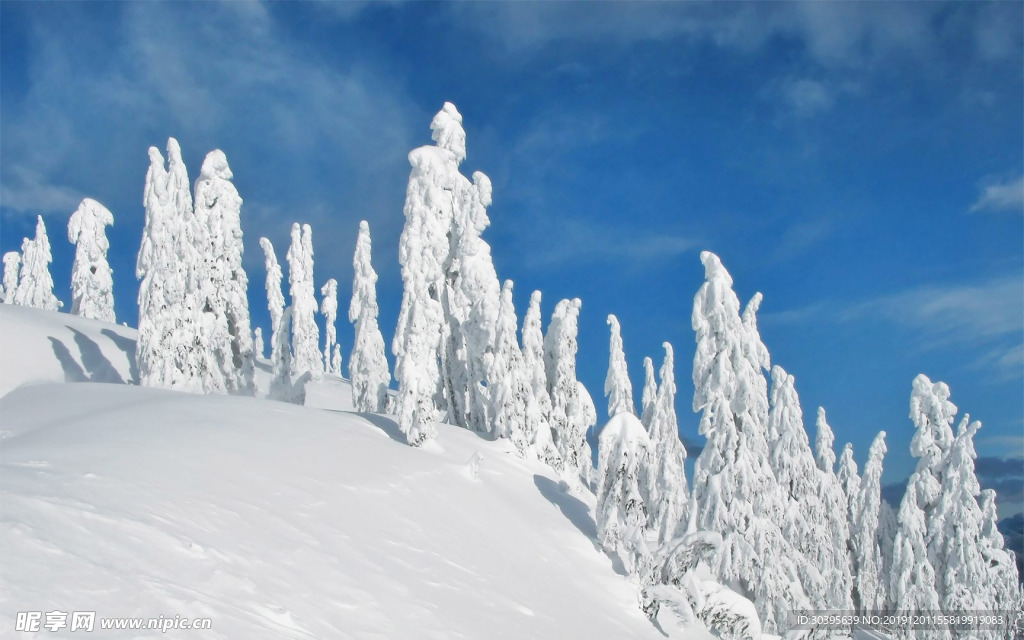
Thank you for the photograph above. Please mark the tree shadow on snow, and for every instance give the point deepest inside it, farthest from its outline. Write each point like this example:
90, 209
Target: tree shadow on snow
96, 364
128, 346
571, 507
72, 372
386, 424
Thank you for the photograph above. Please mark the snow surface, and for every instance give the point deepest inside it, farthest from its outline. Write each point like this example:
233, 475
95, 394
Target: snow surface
277, 520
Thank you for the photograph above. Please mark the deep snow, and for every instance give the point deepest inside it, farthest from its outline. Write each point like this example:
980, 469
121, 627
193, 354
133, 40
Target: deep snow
272, 519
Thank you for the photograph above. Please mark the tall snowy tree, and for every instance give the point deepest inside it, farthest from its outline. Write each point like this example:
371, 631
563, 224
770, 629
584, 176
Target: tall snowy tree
617, 387
668, 491
849, 480
869, 585
305, 333
804, 520
569, 415
839, 579
35, 284
282, 372
470, 301
509, 383
912, 582
171, 351
222, 284
275, 297
624, 453
92, 284
735, 492
12, 268
1002, 583
367, 366
433, 193
329, 307
650, 394
542, 439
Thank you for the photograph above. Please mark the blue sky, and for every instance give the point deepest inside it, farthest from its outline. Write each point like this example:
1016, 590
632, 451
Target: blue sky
858, 163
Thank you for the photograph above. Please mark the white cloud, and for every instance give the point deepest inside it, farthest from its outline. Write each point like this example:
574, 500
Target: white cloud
28, 192
1007, 195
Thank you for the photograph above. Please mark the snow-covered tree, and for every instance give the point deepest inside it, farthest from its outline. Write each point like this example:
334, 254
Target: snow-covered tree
804, 520
624, 452
617, 387
281, 383
275, 297
259, 349
433, 193
222, 284
933, 414
170, 351
539, 408
12, 267
35, 285
869, 585
569, 417
92, 284
470, 301
1002, 583
509, 384
735, 492
668, 491
329, 307
305, 333
838, 579
336, 358
650, 394
367, 366
849, 480
912, 582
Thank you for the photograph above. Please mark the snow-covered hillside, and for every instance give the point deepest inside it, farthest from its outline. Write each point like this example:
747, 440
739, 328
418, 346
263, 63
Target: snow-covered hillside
275, 520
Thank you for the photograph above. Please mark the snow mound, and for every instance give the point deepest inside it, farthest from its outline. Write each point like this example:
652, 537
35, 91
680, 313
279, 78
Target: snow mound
45, 346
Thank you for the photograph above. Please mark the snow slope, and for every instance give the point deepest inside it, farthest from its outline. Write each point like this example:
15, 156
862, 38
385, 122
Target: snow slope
278, 521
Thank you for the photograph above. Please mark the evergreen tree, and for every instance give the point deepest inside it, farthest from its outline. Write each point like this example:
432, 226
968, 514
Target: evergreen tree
329, 307
933, 414
92, 285
539, 408
275, 297
668, 491
624, 453
259, 349
281, 384
735, 492
849, 480
839, 580
509, 386
825, 455
12, 267
1002, 583
305, 333
912, 582
869, 587
222, 284
617, 387
35, 284
569, 414
367, 366
650, 394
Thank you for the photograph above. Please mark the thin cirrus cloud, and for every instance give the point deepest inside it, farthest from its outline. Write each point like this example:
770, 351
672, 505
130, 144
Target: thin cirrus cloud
1005, 195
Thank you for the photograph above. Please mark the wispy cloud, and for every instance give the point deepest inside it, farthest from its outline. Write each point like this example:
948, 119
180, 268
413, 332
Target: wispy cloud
1004, 195
25, 191
572, 241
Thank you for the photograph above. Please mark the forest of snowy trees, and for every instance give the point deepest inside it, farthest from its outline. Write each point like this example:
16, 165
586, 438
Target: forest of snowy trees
768, 525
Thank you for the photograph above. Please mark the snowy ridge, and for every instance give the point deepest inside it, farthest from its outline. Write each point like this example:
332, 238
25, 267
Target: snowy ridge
278, 520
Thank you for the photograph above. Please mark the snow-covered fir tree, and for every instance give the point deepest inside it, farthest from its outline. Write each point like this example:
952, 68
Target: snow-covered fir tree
869, 587
282, 386
650, 394
35, 284
259, 349
912, 582
275, 297
735, 492
803, 521
509, 384
569, 415
933, 414
1002, 584
12, 267
367, 366
92, 283
849, 479
170, 351
624, 452
539, 408
305, 333
336, 358
617, 387
433, 193
329, 307
669, 493
222, 284
471, 304
838, 579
